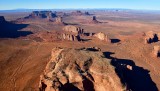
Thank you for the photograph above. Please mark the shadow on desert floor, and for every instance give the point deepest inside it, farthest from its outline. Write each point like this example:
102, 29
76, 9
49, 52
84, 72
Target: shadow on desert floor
136, 79
11, 30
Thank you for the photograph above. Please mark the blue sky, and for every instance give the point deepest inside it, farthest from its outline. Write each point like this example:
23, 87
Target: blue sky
64, 4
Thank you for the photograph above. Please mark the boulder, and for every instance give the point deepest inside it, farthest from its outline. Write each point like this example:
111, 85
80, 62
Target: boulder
129, 67
91, 49
102, 36
73, 29
79, 70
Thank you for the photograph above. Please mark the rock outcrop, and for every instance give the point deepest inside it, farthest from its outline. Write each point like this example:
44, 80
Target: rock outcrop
94, 20
158, 35
71, 37
150, 37
41, 14
79, 70
58, 20
156, 51
91, 49
102, 36
73, 29
2, 19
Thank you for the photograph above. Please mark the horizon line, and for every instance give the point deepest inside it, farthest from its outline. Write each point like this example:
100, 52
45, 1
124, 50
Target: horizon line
78, 9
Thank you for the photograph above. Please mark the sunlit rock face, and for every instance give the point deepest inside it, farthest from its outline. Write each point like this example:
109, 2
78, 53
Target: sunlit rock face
73, 29
41, 14
79, 70
150, 37
102, 36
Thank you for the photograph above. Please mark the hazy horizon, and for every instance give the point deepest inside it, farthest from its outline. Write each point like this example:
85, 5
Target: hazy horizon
79, 4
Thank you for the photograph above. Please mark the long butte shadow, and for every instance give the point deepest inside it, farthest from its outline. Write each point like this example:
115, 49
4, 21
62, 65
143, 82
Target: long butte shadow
115, 40
10, 30
137, 79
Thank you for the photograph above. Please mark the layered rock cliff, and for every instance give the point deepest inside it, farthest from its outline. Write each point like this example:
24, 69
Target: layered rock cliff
79, 70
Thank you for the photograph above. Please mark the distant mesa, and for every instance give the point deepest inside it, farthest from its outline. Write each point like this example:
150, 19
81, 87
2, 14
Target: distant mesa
60, 14
87, 13
79, 13
102, 36
41, 14
150, 37
93, 20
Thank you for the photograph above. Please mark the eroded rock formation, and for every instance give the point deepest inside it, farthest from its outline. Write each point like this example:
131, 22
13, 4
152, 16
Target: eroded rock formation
75, 13
73, 29
150, 37
156, 51
79, 13
79, 70
102, 36
58, 20
94, 20
71, 37
41, 14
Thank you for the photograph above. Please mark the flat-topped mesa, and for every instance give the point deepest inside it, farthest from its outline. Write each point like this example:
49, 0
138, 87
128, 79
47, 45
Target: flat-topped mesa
58, 20
70, 37
2, 19
150, 37
41, 14
73, 29
79, 13
79, 70
156, 51
60, 14
102, 36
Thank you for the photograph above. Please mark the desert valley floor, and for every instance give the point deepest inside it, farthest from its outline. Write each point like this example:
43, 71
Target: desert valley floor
128, 39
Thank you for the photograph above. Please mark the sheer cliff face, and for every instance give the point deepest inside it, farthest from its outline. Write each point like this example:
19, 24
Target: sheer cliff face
76, 70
